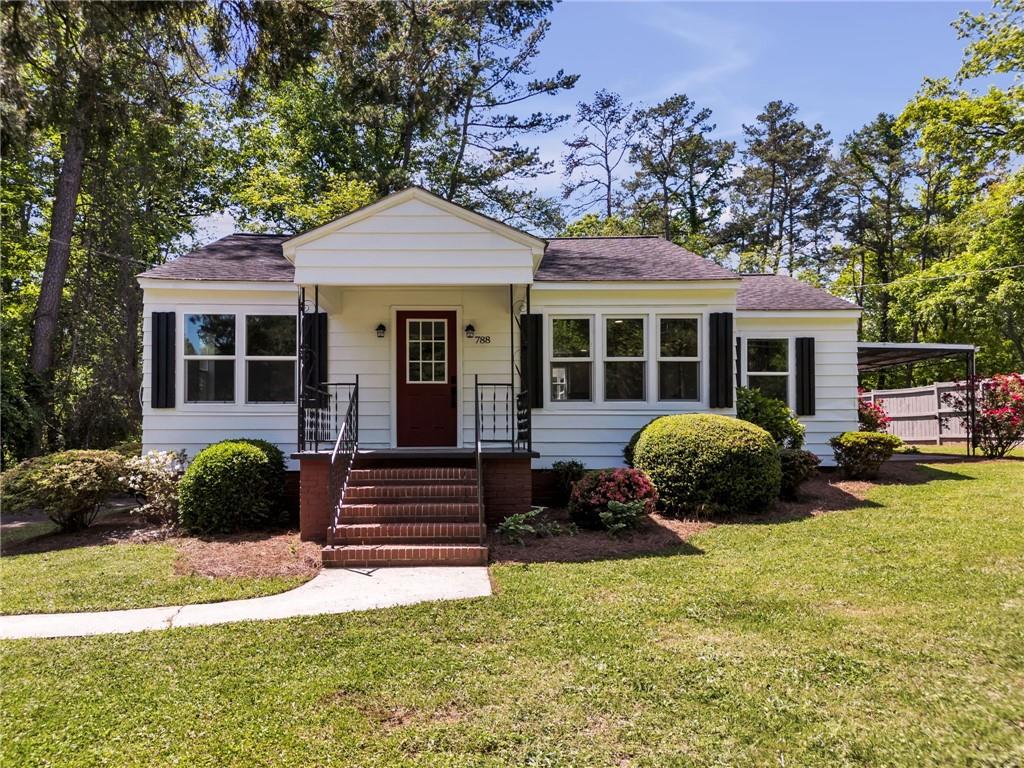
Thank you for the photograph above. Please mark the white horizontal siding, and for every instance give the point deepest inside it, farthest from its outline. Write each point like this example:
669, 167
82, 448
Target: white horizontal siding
413, 243
193, 426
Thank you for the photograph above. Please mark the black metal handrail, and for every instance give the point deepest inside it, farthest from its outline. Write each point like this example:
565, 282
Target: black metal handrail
503, 415
342, 456
321, 411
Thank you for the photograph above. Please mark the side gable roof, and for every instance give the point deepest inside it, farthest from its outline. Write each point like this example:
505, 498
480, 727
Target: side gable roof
414, 193
624, 259
778, 292
241, 256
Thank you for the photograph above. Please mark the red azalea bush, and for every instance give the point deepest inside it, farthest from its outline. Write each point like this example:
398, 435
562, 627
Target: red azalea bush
1000, 413
872, 416
591, 494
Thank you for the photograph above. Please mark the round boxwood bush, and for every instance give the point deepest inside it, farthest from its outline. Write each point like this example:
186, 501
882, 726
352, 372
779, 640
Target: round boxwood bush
798, 466
861, 454
232, 485
710, 463
630, 447
590, 496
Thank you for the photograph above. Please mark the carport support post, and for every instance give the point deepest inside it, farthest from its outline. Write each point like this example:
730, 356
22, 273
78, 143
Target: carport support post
972, 405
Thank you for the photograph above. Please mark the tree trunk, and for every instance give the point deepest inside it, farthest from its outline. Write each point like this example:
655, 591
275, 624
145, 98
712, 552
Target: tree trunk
58, 254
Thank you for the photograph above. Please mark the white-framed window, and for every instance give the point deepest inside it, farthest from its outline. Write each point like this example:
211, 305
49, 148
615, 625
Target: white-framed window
209, 354
625, 358
271, 343
767, 366
678, 340
572, 359
426, 343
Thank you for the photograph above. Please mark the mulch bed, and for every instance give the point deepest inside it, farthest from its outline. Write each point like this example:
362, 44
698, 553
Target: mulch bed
827, 492
259, 554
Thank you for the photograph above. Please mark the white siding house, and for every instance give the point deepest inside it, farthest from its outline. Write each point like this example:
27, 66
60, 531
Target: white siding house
424, 300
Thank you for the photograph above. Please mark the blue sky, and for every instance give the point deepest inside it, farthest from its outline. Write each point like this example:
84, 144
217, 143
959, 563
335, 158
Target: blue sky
840, 63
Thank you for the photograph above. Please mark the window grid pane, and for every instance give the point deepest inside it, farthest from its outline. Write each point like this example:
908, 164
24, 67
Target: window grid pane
678, 380
678, 337
210, 335
768, 355
624, 381
624, 337
270, 336
571, 381
427, 352
570, 337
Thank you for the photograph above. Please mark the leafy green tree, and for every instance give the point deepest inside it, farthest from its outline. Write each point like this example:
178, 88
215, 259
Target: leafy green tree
782, 200
682, 172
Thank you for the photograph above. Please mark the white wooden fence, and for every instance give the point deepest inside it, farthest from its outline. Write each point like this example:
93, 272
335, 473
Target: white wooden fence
919, 415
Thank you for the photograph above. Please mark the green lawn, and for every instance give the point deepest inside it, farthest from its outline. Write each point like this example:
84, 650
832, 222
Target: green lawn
960, 449
891, 634
114, 576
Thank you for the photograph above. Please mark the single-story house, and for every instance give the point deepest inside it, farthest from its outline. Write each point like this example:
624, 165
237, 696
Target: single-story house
416, 360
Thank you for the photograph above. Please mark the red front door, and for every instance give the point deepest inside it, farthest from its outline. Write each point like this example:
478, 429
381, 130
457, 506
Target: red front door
427, 379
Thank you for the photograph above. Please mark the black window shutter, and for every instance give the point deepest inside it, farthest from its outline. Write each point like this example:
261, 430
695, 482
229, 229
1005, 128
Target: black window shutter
721, 350
805, 376
314, 339
162, 380
531, 356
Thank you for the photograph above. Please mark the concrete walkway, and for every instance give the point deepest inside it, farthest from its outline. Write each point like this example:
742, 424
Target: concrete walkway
333, 590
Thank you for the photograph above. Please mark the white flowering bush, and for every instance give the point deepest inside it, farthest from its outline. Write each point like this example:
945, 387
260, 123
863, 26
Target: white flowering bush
154, 477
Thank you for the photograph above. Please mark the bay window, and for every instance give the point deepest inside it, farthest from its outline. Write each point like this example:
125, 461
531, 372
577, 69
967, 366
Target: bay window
270, 355
768, 367
624, 359
209, 358
572, 359
678, 358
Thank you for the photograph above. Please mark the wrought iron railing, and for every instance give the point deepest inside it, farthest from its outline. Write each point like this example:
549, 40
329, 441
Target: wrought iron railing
343, 455
321, 413
503, 416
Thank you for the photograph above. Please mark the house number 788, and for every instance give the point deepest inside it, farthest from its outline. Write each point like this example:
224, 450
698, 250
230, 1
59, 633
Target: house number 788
482, 339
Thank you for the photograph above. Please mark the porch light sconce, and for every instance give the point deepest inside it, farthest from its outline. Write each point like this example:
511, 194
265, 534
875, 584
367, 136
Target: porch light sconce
381, 330
470, 331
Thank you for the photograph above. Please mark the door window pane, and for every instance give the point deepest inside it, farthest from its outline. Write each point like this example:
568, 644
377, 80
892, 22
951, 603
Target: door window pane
210, 381
209, 334
270, 335
427, 352
772, 386
624, 337
678, 380
271, 381
768, 355
678, 337
570, 337
624, 381
570, 381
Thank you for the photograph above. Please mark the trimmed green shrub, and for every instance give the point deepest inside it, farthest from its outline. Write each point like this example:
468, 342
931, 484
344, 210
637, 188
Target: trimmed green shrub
771, 415
232, 485
567, 474
630, 448
590, 496
860, 454
68, 486
710, 463
797, 466
515, 528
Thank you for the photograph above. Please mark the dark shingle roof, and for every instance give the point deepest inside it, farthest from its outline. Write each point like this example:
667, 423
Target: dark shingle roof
778, 292
240, 256
244, 256
624, 258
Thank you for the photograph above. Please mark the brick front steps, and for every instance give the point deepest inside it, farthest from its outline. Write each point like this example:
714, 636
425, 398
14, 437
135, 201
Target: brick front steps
408, 516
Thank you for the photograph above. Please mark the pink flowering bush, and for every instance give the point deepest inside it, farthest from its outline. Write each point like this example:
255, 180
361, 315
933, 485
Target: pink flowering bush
590, 496
1000, 413
872, 416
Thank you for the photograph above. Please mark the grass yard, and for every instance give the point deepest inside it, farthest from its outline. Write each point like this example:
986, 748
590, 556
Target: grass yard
115, 576
887, 634
960, 449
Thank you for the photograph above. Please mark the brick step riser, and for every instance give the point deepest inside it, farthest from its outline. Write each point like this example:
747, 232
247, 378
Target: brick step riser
347, 539
427, 511
401, 533
469, 487
410, 477
404, 494
407, 555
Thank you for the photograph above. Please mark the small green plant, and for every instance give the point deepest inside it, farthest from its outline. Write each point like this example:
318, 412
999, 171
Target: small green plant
567, 474
515, 528
798, 466
620, 517
771, 415
68, 486
861, 454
